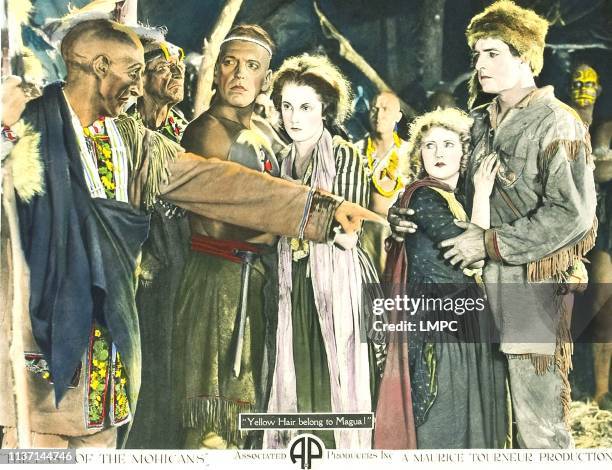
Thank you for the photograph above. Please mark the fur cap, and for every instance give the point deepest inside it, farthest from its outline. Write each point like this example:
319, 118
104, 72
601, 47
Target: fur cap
518, 27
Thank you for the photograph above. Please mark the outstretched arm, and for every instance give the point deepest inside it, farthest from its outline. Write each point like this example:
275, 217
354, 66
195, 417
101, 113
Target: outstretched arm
232, 193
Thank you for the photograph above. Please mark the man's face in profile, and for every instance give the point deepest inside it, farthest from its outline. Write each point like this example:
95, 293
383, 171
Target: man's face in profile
123, 79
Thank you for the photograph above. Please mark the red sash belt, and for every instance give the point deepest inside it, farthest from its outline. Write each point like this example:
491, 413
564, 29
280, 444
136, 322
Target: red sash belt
227, 249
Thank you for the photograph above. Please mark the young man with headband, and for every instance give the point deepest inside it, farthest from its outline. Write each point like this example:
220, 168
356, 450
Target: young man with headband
219, 342
82, 236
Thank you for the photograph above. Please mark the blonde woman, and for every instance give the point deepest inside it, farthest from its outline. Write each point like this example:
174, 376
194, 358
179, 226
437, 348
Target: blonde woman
432, 376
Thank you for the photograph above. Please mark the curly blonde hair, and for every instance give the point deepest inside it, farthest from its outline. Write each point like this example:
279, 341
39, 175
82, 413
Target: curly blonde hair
452, 119
319, 73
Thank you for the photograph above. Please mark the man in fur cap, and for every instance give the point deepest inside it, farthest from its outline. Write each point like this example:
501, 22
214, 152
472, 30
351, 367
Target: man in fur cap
542, 216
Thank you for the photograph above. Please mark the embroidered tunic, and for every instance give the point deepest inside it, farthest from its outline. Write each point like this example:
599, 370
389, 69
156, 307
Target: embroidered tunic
105, 168
78, 249
542, 213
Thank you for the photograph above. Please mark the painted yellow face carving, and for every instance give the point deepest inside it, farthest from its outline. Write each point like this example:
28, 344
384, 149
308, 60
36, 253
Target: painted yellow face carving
585, 86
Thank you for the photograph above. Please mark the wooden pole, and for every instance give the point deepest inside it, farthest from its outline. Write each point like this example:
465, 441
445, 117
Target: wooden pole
15, 13
349, 53
19, 275
432, 35
210, 51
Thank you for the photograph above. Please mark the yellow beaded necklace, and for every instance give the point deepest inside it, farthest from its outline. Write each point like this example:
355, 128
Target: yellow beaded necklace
391, 168
96, 133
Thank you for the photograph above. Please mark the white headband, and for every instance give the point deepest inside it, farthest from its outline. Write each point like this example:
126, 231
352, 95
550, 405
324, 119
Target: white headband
248, 39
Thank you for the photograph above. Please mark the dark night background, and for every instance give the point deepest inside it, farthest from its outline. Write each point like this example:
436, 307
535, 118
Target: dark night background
388, 35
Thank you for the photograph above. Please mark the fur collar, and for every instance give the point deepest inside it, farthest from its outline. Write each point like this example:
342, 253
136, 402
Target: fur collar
26, 163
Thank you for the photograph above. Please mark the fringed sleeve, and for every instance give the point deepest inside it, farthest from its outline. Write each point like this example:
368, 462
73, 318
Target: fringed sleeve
221, 190
562, 229
150, 154
234, 194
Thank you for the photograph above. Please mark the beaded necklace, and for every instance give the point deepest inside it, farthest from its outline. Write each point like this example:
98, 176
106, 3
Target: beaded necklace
391, 168
97, 139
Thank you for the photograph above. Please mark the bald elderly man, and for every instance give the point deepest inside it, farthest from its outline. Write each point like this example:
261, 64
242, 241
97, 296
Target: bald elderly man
82, 237
390, 169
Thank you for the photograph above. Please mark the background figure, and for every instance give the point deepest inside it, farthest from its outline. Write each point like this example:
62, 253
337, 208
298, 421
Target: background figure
163, 254
585, 89
323, 364
389, 168
601, 268
441, 98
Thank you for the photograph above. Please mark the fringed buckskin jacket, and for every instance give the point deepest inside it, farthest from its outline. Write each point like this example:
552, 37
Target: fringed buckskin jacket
542, 215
